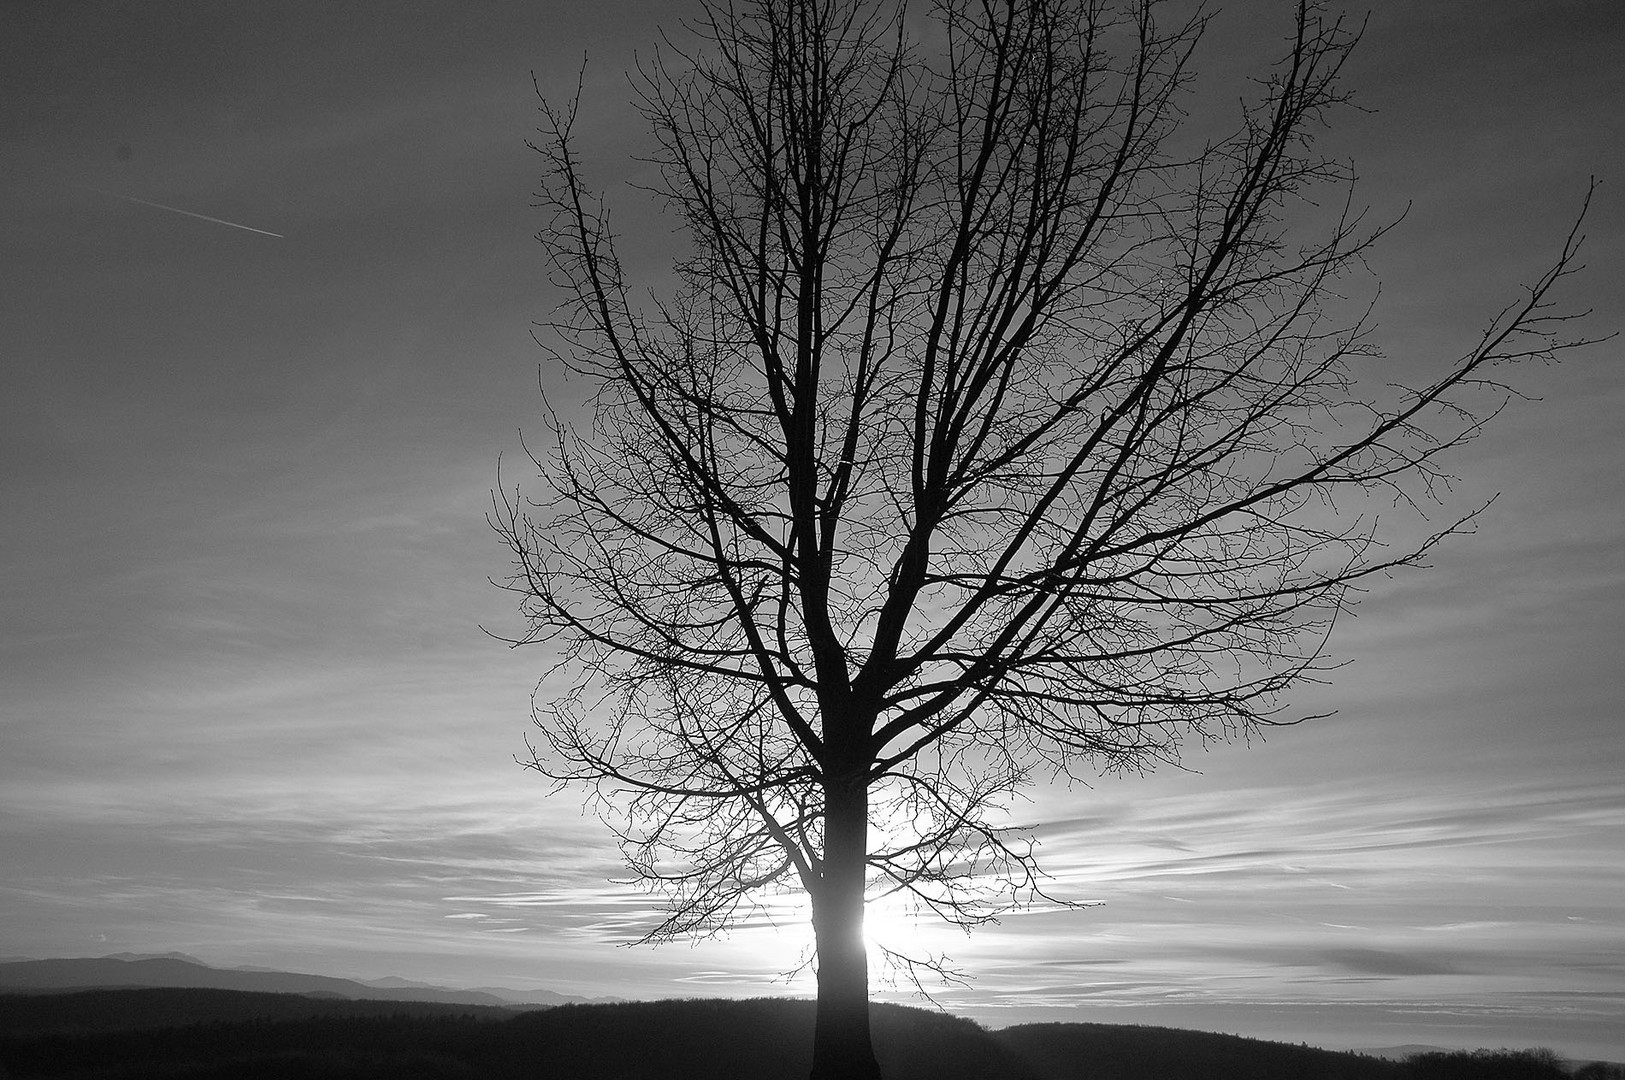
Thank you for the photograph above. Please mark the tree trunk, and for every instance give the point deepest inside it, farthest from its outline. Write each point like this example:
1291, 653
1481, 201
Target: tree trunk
841, 1046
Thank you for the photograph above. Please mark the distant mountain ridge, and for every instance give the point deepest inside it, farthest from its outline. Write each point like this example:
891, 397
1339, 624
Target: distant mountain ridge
1400, 1053
181, 970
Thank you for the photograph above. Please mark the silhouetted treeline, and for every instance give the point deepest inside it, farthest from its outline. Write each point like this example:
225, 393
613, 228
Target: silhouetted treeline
1600, 1070
111, 1035
1534, 1064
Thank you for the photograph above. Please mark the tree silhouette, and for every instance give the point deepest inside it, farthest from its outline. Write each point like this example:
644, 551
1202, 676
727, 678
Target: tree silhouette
1535, 1063
996, 428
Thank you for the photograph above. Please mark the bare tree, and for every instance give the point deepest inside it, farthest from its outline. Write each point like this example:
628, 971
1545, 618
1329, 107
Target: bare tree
997, 428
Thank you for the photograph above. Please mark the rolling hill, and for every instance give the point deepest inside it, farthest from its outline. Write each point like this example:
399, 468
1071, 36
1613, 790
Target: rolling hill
204, 1033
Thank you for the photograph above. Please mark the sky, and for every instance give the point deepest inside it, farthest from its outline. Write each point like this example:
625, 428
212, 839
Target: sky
267, 280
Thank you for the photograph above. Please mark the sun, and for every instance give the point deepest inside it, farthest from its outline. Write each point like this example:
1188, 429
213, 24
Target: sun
890, 922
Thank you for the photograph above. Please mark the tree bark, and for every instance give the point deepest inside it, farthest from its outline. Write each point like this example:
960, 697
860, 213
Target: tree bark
842, 1049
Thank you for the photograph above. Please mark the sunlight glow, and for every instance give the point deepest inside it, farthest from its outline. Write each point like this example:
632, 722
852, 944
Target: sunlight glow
888, 923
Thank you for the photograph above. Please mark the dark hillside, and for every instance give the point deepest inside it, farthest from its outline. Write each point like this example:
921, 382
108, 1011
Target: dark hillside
759, 1039
158, 1007
170, 1034
319, 1048
1131, 1052
327, 1039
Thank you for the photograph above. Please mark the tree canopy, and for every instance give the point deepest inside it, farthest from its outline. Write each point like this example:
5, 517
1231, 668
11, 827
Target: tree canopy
996, 428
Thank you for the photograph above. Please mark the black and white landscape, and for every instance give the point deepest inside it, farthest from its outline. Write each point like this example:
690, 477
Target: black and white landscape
268, 283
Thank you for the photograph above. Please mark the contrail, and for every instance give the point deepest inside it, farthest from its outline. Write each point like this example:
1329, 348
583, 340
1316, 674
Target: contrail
178, 210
